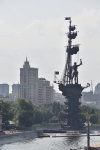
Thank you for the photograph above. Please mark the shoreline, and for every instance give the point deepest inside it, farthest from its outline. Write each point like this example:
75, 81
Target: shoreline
16, 136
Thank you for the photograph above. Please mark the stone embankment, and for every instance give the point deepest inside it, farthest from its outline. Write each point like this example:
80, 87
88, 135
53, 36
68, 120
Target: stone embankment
57, 126
54, 126
15, 136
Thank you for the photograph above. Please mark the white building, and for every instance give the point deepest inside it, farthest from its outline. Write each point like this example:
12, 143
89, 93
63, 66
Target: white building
28, 83
45, 92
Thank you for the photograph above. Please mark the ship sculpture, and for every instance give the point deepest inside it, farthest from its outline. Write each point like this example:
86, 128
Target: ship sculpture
69, 84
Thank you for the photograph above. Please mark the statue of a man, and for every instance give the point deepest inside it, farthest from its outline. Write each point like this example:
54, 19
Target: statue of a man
75, 71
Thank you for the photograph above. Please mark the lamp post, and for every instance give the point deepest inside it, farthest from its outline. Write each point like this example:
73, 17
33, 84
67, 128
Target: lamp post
88, 132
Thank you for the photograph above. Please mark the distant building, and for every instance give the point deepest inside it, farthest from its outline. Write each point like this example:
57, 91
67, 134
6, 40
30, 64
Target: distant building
28, 83
90, 97
87, 97
45, 92
4, 90
97, 89
58, 97
15, 91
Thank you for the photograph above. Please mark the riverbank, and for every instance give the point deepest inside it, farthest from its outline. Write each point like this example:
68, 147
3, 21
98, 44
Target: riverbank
16, 136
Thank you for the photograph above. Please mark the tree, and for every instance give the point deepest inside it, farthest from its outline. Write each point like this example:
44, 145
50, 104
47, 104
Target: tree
38, 116
47, 114
24, 113
94, 119
56, 108
54, 119
62, 116
7, 111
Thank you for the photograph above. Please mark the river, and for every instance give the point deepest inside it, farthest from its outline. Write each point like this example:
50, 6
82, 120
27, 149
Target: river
51, 143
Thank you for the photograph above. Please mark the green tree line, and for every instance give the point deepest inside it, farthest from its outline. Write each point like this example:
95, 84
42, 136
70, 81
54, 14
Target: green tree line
25, 114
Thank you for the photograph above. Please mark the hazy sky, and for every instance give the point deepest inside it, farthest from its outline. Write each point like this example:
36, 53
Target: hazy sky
37, 28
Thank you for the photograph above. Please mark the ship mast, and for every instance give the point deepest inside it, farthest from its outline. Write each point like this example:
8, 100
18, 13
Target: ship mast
69, 58
71, 49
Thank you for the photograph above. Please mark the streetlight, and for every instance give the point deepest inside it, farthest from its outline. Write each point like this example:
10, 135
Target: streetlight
88, 132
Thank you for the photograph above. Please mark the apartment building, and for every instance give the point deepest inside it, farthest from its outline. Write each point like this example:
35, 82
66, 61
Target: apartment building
45, 92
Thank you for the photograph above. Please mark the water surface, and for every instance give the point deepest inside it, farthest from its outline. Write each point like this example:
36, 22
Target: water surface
51, 143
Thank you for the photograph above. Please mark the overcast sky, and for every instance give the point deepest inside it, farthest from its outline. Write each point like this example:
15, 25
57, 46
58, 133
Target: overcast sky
37, 28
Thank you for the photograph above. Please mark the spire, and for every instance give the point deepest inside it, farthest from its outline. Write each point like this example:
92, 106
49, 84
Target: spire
91, 87
26, 63
26, 58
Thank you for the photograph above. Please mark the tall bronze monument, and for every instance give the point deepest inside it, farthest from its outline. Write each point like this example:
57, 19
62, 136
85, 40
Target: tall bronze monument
69, 85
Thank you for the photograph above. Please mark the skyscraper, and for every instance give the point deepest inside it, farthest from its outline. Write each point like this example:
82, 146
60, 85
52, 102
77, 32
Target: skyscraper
28, 83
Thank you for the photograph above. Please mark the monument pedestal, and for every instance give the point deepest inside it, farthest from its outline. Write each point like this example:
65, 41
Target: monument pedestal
72, 93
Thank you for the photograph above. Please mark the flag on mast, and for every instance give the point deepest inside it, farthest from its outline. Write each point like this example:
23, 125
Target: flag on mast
56, 72
67, 18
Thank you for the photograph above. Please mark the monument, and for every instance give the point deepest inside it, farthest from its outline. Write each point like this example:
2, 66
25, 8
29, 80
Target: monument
69, 84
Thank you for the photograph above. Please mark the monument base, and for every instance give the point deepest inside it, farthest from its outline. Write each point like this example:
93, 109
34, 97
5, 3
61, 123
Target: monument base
72, 93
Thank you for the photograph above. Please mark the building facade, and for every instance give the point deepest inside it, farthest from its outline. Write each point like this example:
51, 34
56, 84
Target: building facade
45, 92
28, 83
4, 90
15, 91
97, 89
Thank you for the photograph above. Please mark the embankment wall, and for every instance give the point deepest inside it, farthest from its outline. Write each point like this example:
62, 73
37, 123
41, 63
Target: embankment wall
16, 137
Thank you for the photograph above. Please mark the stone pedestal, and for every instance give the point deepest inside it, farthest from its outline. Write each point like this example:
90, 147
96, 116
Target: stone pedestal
72, 93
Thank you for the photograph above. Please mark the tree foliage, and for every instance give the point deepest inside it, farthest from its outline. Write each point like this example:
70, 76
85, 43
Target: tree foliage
91, 112
24, 113
38, 116
62, 115
6, 108
56, 108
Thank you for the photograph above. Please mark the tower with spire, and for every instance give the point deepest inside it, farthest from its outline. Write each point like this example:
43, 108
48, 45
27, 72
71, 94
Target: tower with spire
28, 82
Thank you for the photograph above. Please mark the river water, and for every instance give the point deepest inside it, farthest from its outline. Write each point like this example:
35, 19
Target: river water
51, 143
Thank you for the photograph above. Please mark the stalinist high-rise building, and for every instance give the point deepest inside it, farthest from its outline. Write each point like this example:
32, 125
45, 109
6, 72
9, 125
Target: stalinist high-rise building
28, 83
